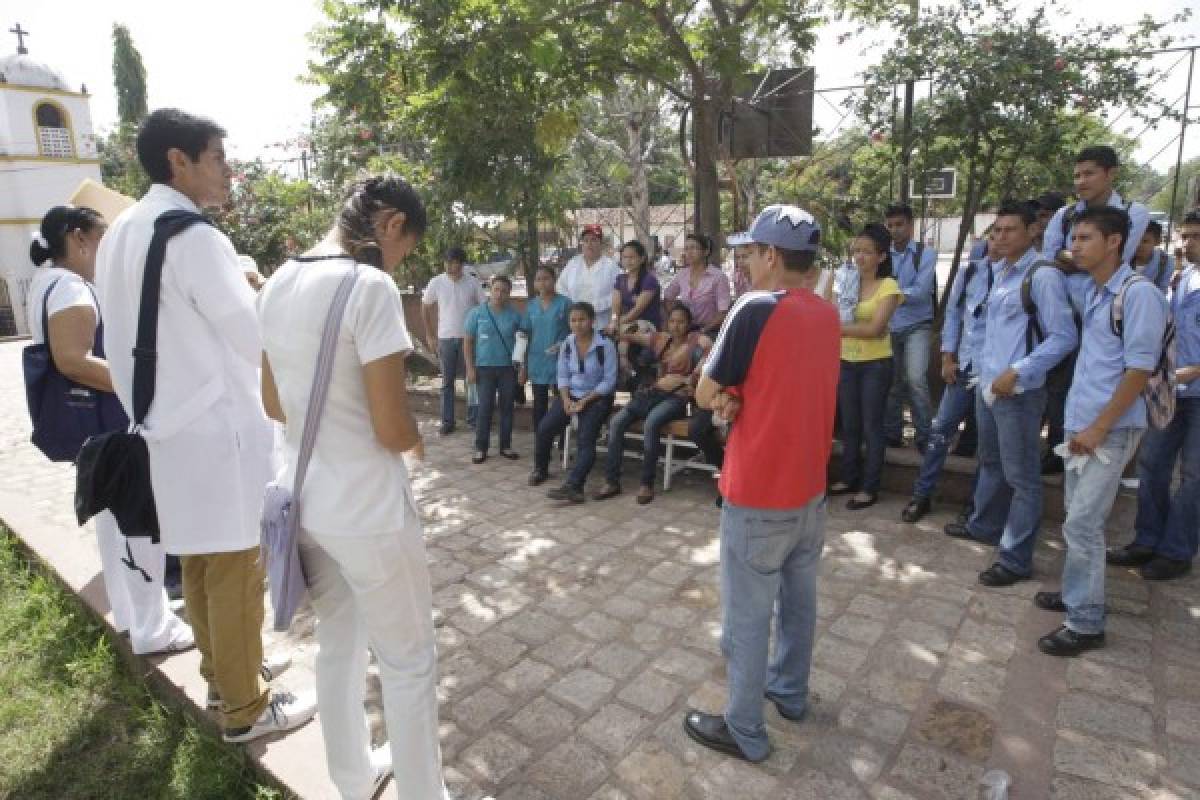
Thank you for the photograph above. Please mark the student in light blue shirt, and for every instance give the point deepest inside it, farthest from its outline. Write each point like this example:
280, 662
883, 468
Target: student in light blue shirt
1168, 524
587, 384
1150, 261
547, 311
914, 267
489, 340
962, 339
1106, 417
1017, 351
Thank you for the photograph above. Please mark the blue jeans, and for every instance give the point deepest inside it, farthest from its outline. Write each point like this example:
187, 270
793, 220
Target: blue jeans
862, 398
657, 409
1169, 524
1089, 499
450, 353
1008, 491
768, 556
591, 419
910, 354
493, 380
958, 403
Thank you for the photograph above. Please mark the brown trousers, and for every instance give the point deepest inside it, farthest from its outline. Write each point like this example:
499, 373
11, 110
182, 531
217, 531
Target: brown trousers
224, 597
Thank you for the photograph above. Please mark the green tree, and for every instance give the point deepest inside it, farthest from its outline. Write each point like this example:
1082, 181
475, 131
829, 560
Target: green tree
119, 166
1189, 177
1002, 81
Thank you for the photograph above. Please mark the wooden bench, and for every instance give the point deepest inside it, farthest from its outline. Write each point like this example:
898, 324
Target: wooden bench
675, 434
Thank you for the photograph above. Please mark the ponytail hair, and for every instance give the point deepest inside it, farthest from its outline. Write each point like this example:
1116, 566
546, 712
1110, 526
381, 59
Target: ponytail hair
50, 242
643, 269
882, 240
366, 198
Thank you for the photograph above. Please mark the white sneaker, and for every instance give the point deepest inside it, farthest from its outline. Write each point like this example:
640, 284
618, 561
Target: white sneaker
285, 712
182, 640
381, 760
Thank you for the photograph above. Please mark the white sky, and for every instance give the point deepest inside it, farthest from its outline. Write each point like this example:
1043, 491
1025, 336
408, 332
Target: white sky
239, 61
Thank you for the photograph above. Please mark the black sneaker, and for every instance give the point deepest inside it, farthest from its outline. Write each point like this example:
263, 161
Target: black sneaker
998, 575
1066, 642
1050, 601
916, 508
567, 493
958, 530
1052, 465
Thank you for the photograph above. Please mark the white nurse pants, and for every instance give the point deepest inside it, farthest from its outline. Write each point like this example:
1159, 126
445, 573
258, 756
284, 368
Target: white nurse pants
375, 590
138, 605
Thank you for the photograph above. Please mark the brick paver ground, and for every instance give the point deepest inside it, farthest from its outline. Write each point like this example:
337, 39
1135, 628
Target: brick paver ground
573, 639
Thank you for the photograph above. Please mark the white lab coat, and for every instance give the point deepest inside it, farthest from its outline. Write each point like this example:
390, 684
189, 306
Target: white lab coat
210, 442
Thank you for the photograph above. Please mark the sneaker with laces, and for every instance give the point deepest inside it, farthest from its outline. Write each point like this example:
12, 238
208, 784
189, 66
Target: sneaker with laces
272, 667
284, 712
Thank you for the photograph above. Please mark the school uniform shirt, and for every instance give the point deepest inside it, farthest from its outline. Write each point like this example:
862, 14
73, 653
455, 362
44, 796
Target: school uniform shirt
1053, 240
780, 351
590, 284
590, 373
548, 326
495, 334
209, 441
966, 320
916, 283
70, 290
1104, 356
1005, 343
454, 300
707, 299
860, 349
354, 486
1185, 306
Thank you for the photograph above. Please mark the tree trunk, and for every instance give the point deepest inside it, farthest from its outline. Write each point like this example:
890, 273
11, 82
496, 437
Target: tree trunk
704, 159
639, 182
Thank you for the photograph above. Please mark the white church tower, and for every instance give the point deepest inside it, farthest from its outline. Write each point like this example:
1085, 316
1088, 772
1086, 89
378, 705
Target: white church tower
47, 147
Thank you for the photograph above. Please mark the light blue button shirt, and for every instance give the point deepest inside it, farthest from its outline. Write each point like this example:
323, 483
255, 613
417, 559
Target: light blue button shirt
1054, 241
1185, 305
1104, 356
963, 327
1158, 270
917, 285
592, 376
1005, 344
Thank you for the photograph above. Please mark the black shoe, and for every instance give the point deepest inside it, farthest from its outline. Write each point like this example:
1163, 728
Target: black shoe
1066, 642
537, 478
1131, 555
958, 530
174, 590
964, 451
1050, 601
998, 575
1052, 464
893, 442
964, 516
609, 490
783, 712
568, 493
511, 455
854, 504
1165, 569
710, 730
479, 457
916, 508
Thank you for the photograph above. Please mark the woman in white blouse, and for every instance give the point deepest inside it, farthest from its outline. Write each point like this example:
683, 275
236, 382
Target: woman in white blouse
591, 276
361, 540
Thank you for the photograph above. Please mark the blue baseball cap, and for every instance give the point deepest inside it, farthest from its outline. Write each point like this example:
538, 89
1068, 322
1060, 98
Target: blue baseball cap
786, 227
738, 239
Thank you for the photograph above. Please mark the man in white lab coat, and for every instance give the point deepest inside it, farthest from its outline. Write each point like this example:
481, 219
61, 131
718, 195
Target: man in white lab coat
209, 440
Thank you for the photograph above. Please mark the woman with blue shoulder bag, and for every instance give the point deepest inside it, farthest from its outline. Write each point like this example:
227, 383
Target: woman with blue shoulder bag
71, 397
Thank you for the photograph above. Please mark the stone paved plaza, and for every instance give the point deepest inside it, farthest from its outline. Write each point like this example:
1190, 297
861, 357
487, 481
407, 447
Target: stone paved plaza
572, 640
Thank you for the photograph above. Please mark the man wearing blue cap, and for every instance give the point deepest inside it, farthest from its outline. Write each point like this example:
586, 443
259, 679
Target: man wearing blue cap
773, 373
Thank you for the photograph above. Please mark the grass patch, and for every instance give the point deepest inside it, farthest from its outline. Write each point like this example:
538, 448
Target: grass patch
75, 722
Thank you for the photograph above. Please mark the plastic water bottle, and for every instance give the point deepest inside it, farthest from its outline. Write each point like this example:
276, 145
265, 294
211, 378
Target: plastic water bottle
519, 347
994, 785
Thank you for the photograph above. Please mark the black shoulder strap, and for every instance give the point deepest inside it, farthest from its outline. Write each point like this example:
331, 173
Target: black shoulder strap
145, 349
496, 325
1068, 222
968, 274
1033, 328
45, 316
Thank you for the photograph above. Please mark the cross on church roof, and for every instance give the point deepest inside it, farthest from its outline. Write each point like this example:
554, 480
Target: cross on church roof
22, 50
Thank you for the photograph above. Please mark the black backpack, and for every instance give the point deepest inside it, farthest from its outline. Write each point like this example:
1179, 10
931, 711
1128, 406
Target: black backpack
599, 350
972, 268
1060, 374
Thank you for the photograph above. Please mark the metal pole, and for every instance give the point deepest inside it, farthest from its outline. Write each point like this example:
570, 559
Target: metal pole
1187, 105
909, 92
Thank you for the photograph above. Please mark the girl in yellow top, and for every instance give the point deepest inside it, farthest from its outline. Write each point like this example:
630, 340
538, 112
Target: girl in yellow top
866, 368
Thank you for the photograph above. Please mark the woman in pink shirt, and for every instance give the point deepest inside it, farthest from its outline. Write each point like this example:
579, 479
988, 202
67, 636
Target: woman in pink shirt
701, 287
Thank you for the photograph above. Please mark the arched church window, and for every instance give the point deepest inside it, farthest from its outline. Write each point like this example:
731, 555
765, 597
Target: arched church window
53, 130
